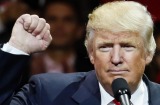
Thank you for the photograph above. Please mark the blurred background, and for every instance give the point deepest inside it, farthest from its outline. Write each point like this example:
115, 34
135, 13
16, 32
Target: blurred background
67, 19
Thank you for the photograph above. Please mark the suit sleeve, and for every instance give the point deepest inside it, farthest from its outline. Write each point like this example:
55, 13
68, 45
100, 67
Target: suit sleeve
11, 70
30, 94
43, 89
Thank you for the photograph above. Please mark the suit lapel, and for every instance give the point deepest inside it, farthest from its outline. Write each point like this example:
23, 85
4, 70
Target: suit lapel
88, 93
153, 91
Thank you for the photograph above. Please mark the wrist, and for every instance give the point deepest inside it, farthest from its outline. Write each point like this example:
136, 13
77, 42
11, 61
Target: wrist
18, 46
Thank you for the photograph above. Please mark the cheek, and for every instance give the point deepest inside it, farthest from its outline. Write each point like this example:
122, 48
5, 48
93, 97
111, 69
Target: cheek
136, 63
101, 64
101, 60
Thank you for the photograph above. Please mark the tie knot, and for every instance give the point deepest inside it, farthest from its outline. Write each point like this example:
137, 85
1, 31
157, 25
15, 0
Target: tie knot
116, 102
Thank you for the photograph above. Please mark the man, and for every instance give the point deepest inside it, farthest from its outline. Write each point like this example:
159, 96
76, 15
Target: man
67, 27
120, 44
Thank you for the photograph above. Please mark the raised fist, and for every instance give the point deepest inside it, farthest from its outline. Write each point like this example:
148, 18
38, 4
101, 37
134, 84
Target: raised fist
30, 34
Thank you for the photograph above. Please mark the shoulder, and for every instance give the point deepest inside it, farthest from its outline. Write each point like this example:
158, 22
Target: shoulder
55, 78
154, 86
151, 85
44, 88
50, 83
153, 90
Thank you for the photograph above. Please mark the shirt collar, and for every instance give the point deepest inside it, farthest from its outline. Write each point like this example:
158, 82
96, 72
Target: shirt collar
138, 96
106, 98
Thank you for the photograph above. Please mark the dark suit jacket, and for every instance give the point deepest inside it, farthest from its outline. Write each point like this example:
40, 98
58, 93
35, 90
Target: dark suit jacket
70, 89
11, 70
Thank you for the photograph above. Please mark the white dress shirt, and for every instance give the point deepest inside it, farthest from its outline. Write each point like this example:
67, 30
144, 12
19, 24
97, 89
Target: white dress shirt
10, 49
139, 97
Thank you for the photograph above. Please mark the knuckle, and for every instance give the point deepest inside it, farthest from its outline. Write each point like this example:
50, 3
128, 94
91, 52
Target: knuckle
48, 26
25, 15
50, 37
42, 20
35, 16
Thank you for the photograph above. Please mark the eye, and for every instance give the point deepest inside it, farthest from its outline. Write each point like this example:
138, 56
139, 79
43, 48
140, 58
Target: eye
105, 48
127, 47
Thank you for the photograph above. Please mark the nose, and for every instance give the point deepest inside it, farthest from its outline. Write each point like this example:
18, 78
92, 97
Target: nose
116, 55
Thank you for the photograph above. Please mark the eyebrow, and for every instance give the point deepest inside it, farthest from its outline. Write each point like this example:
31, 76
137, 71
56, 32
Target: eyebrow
110, 43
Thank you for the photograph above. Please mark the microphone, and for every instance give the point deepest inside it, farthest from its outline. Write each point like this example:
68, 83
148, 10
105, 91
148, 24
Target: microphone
121, 91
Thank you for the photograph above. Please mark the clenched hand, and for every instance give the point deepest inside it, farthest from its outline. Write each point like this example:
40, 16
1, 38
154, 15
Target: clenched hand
30, 34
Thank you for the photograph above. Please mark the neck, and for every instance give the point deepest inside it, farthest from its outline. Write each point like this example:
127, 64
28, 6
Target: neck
132, 87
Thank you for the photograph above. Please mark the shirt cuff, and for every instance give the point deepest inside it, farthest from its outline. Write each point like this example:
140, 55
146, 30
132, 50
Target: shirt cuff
10, 49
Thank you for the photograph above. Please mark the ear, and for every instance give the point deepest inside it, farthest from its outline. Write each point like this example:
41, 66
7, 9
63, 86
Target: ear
91, 57
149, 58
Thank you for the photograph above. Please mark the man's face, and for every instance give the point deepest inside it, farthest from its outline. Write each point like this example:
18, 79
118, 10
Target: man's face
119, 55
64, 25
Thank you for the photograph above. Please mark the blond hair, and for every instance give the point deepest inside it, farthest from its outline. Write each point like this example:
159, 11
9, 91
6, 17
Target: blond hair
122, 16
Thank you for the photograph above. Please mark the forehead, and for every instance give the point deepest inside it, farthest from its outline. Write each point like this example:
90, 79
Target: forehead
120, 37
